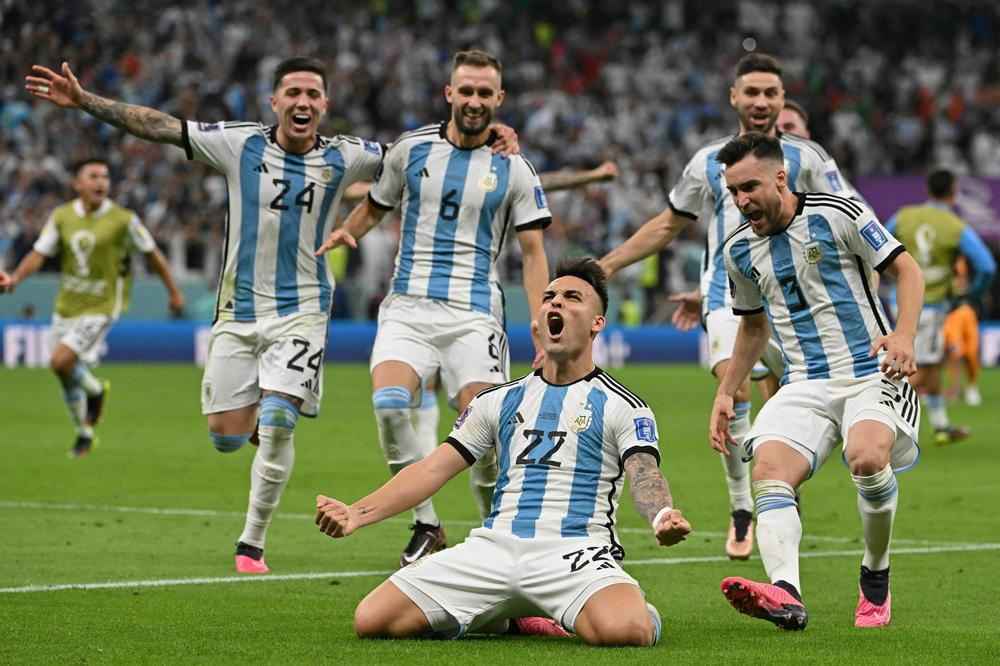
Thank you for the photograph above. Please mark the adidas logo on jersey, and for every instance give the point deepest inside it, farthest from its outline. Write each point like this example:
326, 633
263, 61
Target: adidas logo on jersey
424, 173
517, 419
260, 168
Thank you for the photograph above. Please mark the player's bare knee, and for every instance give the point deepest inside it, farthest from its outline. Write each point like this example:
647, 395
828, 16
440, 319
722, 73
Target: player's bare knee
623, 632
865, 462
63, 364
368, 623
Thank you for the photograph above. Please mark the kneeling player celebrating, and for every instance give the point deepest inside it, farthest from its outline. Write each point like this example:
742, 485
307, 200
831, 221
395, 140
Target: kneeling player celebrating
806, 259
562, 435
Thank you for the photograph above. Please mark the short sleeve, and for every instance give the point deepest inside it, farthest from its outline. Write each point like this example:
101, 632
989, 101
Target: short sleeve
139, 238
47, 243
635, 432
390, 177
365, 160
528, 205
210, 143
474, 432
745, 292
870, 240
691, 193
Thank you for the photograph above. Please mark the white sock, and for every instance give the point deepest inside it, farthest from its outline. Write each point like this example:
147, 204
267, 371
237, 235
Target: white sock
936, 410
272, 466
425, 421
86, 380
399, 441
779, 531
737, 471
878, 497
76, 405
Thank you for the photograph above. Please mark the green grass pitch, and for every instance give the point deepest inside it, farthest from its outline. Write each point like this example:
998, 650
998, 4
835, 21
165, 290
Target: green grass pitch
126, 556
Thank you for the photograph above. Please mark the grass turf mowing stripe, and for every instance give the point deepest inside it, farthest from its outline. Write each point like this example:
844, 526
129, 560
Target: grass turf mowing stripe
171, 582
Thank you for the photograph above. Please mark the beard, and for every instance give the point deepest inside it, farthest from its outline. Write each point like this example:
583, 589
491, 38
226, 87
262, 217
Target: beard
749, 125
472, 126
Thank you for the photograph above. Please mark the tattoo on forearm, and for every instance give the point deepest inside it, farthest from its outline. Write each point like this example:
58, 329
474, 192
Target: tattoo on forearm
650, 490
141, 121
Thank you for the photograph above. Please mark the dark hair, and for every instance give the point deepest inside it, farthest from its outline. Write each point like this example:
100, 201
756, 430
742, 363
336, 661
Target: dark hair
940, 183
758, 144
476, 59
79, 164
757, 62
588, 270
799, 109
289, 65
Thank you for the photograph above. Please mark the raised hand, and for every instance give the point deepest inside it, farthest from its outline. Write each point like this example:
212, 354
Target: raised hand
506, 142
900, 360
337, 238
64, 91
334, 517
687, 315
607, 170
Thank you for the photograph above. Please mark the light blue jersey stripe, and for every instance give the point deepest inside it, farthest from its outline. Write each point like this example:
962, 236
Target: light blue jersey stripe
793, 156
452, 191
417, 160
587, 472
536, 475
508, 409
480, 293
252, 155
335, 159
717, 289
741, 256
286, 278
845, 301
802, 321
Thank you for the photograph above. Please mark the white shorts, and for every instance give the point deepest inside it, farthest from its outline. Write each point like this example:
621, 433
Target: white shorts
495, 575
929, 343
814, 415
721, 326
84, 335
283, 354
468, 347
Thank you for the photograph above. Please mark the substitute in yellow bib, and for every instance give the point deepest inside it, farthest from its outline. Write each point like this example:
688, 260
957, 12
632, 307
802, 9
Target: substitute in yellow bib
92, 236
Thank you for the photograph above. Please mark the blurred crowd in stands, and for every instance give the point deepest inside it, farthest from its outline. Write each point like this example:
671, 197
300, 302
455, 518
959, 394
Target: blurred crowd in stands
891, 87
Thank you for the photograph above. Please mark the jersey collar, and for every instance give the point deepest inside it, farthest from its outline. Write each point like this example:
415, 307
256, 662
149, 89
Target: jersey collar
443, 133
586, 378
272, 134
79, 210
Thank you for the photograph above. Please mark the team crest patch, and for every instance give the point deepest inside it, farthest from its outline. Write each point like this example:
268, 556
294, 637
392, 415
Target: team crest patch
371, 146
326, 174
461, 418
645, 429
488, 182
814, 252
540, 198
874, 235
206, 391
584, 417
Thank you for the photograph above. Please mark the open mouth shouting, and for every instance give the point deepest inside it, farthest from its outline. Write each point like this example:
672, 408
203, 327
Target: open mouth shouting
554, 322
301, 121
753, 215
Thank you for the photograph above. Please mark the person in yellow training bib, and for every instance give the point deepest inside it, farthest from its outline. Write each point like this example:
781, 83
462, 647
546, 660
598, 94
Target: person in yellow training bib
93, 237
936, 237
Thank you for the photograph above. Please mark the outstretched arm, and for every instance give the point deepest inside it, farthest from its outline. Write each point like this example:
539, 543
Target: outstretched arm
652, 237
159, 264
651, 495
31, 263
900, 360
405, 490
65, 90
361, 220
536, 277
569, 179
751, 339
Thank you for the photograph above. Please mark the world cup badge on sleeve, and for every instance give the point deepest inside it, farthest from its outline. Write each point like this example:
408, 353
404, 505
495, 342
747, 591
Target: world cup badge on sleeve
814, 252
583, 418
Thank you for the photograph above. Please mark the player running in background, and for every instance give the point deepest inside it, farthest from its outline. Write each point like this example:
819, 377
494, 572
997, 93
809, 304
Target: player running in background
269, 334
802, 263
937, 237
445, 310
563, 434
93, 237
793, 119
961, 341
757, 95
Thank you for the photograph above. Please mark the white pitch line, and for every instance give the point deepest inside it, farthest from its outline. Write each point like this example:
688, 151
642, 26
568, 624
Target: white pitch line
6, 504
173, 582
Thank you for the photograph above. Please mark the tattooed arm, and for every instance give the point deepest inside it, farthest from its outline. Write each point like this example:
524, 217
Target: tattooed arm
651, 493
66, 91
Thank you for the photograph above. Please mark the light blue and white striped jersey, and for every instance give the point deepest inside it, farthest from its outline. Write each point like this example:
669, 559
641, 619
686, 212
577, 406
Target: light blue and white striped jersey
813, 281
456, 205
701, 194
561, 451
281, 207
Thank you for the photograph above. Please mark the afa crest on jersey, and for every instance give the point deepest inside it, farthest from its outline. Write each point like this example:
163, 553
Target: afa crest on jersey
488, 182
813, 252
584, 417
326, 174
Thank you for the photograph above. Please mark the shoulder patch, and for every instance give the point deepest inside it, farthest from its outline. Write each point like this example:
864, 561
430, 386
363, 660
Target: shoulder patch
874, 235
209, 127
461, 418
645, 429
833, 178
371, 146
540, 198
